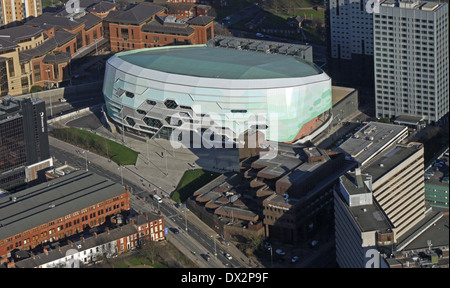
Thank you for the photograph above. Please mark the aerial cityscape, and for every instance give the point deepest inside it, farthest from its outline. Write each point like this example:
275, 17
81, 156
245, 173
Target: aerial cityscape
224, 134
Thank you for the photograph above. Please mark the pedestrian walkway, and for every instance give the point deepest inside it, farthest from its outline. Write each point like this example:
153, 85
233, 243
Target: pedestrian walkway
150, 175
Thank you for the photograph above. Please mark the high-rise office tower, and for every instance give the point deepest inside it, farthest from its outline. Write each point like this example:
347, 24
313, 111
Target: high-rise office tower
17, 10
411, 59
350, 28
24, 146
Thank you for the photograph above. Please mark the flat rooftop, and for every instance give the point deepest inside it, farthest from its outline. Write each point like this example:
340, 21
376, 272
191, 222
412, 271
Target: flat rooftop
413, 4
338, 93
371, 140
367, 217
390, 158
349, 181
51, 200
370, 218
434, 227
209, 62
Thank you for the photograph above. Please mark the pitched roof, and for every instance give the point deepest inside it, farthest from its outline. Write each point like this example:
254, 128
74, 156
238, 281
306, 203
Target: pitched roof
158, 25
51, 19
56, 57
90, 20
6, 44
20, 32
137, 14
51, 200
102, 6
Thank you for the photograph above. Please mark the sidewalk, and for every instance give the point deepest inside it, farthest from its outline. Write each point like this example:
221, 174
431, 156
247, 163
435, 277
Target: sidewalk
135, 175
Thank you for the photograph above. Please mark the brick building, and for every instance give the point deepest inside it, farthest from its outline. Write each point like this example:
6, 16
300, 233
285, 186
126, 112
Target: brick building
94, 247
54, 210
39, 52
147, 25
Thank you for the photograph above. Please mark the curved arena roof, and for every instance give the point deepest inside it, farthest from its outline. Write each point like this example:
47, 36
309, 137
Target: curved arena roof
144, 88
209, 62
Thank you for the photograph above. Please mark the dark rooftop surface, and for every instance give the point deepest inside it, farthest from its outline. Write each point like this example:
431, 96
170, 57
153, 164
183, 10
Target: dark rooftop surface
50, 200
137, 14
51, 19
390, 158
20, 32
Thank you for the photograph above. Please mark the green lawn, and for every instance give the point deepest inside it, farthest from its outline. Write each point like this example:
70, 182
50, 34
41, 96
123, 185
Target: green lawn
118, 153
50, 3
191, 181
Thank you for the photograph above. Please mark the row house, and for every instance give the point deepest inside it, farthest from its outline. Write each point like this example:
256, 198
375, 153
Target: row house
93, 248
58, 209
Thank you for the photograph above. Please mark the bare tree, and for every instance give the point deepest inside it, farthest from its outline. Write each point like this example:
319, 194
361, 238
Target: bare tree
150, 250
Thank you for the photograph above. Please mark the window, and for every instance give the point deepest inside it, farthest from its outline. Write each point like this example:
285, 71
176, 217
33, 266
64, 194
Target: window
11, 68
37, 71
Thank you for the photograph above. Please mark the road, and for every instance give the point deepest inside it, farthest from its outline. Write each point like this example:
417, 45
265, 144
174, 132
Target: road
73, 103
192, 238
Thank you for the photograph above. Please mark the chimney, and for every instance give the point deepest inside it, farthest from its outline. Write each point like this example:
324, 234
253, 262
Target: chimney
82, 239
358, 178
45, 251
107, 230
95, 234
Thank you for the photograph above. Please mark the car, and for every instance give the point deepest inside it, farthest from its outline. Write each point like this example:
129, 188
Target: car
267, 245
157, 198
62, 100
259, 35
174, 230
206, 257
294, 259
228, 256
280, 252
314, 243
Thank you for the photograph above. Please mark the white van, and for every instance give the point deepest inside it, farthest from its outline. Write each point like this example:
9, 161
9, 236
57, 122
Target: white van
157, 198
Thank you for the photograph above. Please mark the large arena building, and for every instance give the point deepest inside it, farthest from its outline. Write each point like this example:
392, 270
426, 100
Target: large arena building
159, 91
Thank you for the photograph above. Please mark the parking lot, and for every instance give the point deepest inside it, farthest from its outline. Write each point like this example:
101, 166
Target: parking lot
438, 170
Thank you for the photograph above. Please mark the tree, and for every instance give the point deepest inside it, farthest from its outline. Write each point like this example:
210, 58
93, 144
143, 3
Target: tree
149, 249
35, 89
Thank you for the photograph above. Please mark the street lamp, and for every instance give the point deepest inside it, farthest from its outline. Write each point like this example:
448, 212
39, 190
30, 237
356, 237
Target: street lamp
48, 84
85, 154
185, 219
215, 249
121, 173
271, 256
